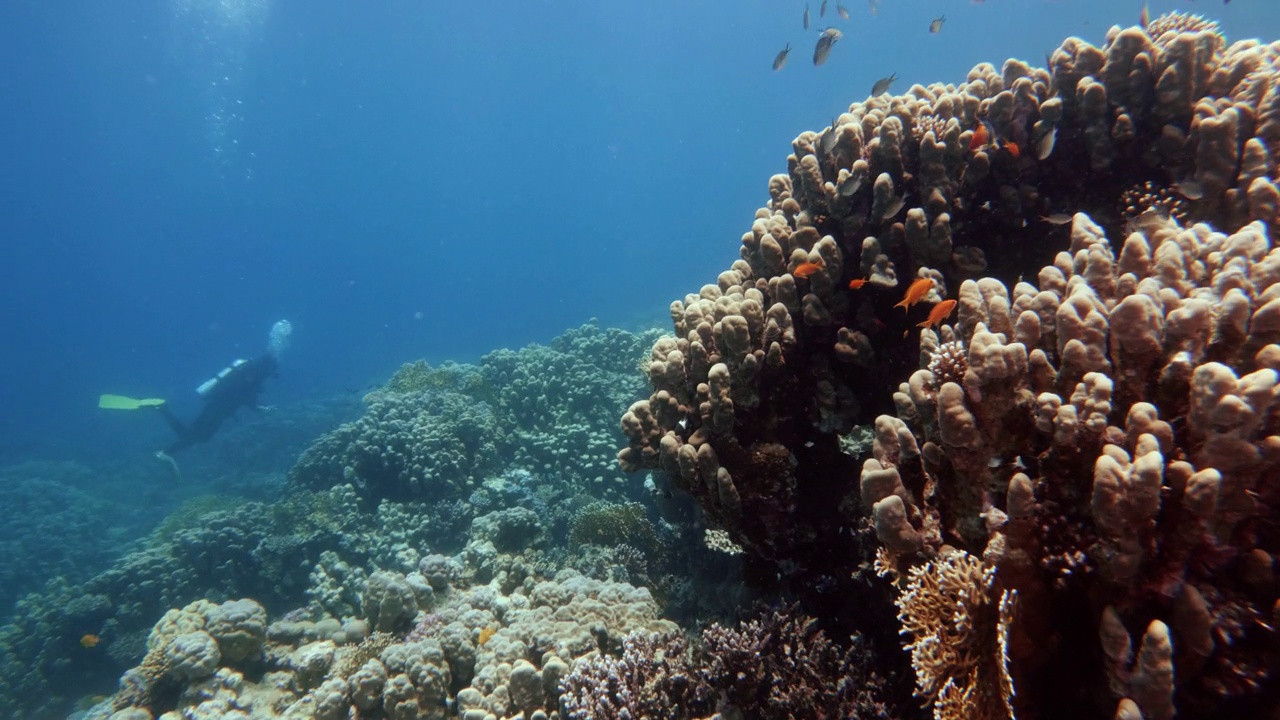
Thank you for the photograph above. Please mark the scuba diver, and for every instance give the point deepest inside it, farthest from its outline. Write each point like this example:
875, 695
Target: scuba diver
237, 386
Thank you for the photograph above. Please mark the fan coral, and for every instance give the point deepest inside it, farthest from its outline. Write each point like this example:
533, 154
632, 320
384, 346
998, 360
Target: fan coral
959, 632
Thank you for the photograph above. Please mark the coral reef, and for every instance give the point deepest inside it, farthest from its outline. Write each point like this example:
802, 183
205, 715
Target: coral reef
781, 665
471, 653
1087, 458
1112, 465
611, 524
557, 401
258, 550
654, 676
416, 446
354, 567
434, 433
51, 515
774, 666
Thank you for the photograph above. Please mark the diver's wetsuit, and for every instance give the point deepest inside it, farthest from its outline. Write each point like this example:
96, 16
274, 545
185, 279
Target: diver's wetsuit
238, 388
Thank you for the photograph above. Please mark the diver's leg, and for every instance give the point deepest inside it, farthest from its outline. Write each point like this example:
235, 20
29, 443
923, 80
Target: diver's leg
162, 455
174, 423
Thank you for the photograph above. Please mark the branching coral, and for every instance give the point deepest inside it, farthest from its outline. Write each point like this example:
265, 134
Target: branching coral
610, 524
781, 665
775, 666
959, 626
652, 678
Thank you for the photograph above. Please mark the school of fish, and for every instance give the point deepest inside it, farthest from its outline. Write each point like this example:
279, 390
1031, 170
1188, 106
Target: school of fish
829, 36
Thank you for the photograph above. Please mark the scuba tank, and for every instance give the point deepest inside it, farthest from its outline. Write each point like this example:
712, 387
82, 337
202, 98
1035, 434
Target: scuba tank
207, 386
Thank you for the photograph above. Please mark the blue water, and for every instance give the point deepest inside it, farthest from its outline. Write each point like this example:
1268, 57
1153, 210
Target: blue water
409, 179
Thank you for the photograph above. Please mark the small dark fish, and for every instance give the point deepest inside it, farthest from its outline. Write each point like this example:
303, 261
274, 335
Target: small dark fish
828, 141
781, 58
822, 9
1149, 221
1057, 219
842, 11
893, 208
851, 184
806, 17
1189, 189
1045, 146
825, 41
882, 85
936, 25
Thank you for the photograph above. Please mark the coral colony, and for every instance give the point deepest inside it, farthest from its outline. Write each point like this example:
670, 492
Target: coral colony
1074, 488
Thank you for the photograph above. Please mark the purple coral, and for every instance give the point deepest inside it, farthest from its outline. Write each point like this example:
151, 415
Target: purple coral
780, 666
654, 678
777, 666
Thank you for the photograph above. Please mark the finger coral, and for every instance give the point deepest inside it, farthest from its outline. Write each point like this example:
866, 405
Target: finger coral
1095, 434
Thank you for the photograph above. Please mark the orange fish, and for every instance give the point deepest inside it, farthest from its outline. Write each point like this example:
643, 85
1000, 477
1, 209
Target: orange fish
938, 313
90, 641
804, 270
980, 136
915, 293
1013, 148
857, 284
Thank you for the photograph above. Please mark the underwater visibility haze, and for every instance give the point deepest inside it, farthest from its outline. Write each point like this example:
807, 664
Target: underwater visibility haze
344, 377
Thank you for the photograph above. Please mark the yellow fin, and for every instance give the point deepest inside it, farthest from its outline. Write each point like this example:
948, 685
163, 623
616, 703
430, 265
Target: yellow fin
120, 402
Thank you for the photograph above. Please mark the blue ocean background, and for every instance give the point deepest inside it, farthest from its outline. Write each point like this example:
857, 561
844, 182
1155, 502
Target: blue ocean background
406, 179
